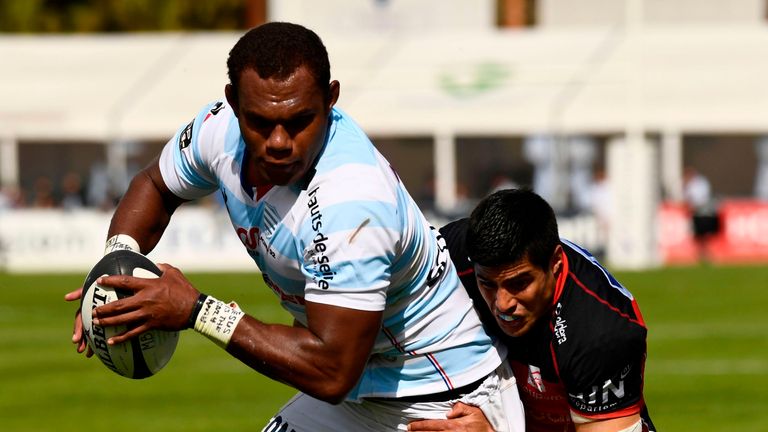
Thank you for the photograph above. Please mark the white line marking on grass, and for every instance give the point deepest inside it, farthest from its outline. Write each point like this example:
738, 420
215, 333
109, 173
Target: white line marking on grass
708, 367
699, 330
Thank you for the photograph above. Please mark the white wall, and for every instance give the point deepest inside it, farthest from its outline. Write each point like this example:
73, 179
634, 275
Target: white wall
198, 239
353, 17
580, 13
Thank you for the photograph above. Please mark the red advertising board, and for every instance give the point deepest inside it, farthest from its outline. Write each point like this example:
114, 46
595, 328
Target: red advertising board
675, 233
743, 236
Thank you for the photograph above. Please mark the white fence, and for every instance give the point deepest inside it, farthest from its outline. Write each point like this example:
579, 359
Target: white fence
197, 239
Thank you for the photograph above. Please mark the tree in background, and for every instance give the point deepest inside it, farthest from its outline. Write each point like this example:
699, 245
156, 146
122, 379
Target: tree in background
87, 16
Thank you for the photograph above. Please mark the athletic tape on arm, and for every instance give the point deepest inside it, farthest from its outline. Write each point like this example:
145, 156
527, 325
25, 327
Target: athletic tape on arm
217, 320
121, 242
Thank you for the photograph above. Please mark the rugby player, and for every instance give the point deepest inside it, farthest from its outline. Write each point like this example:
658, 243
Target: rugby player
576, 337
384, 332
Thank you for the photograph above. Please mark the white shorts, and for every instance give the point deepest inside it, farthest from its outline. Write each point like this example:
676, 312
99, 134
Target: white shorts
497, 396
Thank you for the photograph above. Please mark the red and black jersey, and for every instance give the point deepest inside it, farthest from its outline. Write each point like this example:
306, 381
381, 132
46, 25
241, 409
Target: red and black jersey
587, 356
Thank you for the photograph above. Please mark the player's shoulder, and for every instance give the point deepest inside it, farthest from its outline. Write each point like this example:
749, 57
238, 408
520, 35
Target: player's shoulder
350, 168
593, 285
347, 145
598, 337
601, 369
593, 311
213, 131
216, 114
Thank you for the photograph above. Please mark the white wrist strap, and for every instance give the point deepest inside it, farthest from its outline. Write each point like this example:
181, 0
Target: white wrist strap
217, 320
120, 242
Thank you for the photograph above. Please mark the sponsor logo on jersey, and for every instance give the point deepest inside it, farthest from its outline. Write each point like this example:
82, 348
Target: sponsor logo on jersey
625, 372
218, 107
249, 237
253, 237
560, 325
602, 397
215, 110
317, 250
185, 138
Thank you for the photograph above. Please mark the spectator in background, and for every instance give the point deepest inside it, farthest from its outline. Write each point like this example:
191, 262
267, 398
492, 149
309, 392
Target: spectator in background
600, 204
582, 152
541, 152
562, 169
696, 189
98, 191
11, 197
72, 191
761, 176
43, 193
697, 194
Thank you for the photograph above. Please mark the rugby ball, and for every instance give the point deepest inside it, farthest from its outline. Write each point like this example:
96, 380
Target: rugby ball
142, 356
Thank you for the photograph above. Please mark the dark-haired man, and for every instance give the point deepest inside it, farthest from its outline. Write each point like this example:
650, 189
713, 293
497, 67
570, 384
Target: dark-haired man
576, 338
384, 331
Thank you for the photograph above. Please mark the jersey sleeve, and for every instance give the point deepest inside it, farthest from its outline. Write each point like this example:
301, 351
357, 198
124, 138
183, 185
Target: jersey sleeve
187, 159
349, 244
603, 377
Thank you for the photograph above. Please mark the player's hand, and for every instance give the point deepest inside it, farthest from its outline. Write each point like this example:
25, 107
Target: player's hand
77, 332
163, 303
461, 418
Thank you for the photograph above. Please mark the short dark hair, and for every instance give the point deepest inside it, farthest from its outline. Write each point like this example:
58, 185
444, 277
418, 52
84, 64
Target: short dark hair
276, 50
510, 225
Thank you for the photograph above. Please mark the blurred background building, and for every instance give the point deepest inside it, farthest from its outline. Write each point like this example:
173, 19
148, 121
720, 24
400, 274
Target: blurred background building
617, 112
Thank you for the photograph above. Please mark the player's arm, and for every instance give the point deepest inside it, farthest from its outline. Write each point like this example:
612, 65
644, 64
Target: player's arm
146, 208
142, 214
324, 360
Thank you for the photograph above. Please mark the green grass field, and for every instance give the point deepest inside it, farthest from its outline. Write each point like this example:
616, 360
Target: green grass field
707, 368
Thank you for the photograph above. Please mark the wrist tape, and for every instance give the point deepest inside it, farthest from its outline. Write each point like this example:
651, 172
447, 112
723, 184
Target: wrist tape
216, 320
120, 242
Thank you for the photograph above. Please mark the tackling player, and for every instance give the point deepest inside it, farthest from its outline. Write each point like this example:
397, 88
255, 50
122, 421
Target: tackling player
576, 337
384, 331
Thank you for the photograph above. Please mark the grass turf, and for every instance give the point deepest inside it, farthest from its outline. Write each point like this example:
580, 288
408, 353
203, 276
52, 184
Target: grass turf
707, 367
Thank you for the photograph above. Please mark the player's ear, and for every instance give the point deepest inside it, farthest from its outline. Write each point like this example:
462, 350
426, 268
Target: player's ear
333, 94
231, 93
556, 262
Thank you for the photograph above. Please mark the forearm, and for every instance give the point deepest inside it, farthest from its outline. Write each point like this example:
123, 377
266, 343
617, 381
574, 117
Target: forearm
294, 356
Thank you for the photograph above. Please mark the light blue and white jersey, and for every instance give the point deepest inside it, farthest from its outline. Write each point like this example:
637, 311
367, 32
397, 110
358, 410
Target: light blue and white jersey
349, 235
